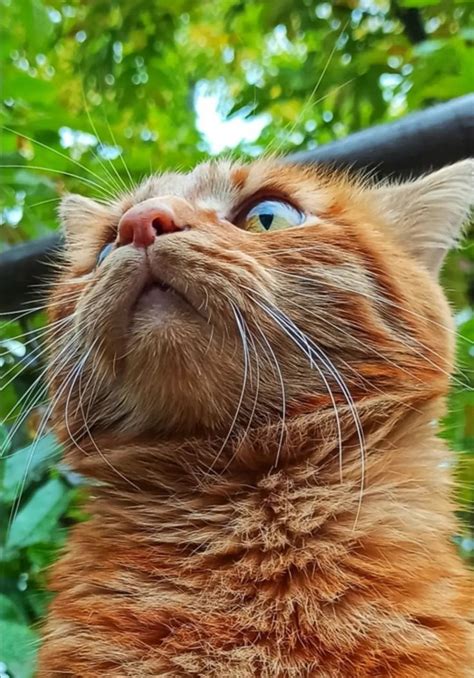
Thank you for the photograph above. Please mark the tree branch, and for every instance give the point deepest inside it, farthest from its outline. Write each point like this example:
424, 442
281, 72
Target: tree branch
412, 22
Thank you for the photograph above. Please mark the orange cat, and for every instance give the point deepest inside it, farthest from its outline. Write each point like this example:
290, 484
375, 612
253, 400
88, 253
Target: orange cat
248, 363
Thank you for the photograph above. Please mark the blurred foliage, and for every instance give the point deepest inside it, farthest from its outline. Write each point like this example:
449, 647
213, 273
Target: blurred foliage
95, 94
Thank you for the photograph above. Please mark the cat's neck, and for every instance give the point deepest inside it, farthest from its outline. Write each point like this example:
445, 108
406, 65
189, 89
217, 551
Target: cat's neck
335, 462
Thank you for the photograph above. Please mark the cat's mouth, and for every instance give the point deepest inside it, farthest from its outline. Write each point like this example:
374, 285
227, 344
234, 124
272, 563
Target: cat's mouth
159, 284
162, 300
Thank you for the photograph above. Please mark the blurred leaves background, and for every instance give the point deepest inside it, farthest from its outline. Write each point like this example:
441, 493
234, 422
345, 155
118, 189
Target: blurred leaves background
96, 94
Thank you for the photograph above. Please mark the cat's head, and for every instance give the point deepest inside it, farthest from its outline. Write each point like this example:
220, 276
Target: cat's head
215, 300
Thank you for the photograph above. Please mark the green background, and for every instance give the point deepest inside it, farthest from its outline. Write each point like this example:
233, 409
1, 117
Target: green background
101, 93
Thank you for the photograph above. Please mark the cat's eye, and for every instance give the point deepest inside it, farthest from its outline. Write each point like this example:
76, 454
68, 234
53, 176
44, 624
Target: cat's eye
104, 252
273, 215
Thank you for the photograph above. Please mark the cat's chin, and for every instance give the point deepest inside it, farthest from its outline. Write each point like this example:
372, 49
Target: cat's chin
159, 300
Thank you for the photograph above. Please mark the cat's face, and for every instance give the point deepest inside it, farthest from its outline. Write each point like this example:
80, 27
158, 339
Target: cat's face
235, 294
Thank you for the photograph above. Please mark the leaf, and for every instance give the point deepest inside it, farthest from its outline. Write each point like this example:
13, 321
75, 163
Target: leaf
36, 520
37, 23
18, 649
9, 610
27, 465
417, 3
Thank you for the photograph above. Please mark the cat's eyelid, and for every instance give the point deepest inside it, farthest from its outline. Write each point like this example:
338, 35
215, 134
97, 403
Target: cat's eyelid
277, 203
240, 212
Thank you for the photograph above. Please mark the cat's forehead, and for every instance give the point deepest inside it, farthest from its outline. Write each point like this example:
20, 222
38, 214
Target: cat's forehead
221, 185
217, 186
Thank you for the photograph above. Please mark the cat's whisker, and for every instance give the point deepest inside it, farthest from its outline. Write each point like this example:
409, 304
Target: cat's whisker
309, 100
32, 400
353, 409
283, 397
59, 154
29, 309
373, 386
352, 337
257, 388
78, 373
307, 351
124, 164
42, 202
44, 288
379, 300
37, 331
78, 376
86, 427
117, 181
104, 193
28, 400
97, 383
291, 330
33, 357
57, 342
410, 340
15, 316
245, 350
39, 433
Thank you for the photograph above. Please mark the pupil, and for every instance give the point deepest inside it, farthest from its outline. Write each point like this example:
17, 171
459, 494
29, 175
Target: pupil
266, 220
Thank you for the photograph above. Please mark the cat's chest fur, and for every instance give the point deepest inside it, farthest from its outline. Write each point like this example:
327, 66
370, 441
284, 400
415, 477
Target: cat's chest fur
288, 576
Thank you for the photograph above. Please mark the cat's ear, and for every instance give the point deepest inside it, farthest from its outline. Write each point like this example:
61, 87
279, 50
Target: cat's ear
79, 214
428, 214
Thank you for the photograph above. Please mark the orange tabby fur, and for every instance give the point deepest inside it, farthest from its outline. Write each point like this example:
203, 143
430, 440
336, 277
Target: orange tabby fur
249, 515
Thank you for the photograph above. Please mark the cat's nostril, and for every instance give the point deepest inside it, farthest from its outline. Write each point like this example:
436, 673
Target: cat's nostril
160, 226
163, 221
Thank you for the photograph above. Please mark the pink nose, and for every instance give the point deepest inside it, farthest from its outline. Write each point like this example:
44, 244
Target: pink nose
142, 223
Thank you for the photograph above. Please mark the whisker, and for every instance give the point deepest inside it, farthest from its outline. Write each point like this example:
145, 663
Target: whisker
241, 330
255, 400
283, 398
309, 100
388, 302
124, 164
314, 365
412, 339
105, 193
39, 434
117, 182
97, 448
293, 332
58, 153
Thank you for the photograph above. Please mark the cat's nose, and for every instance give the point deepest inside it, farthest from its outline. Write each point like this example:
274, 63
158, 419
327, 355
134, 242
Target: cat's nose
142, 223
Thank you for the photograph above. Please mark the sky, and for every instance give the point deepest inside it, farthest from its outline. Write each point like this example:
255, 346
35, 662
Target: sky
218, 133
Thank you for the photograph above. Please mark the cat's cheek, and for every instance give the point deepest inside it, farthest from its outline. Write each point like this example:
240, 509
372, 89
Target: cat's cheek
104, 312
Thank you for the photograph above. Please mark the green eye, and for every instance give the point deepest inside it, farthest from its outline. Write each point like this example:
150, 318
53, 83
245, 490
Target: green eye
273, 215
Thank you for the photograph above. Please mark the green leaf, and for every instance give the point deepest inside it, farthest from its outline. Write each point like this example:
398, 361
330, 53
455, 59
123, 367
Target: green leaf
27, 465
9, 611
37, 23
36, 520
18, 649
417, 3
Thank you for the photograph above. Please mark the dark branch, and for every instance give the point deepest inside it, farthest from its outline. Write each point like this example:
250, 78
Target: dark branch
418, 143
412, 22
